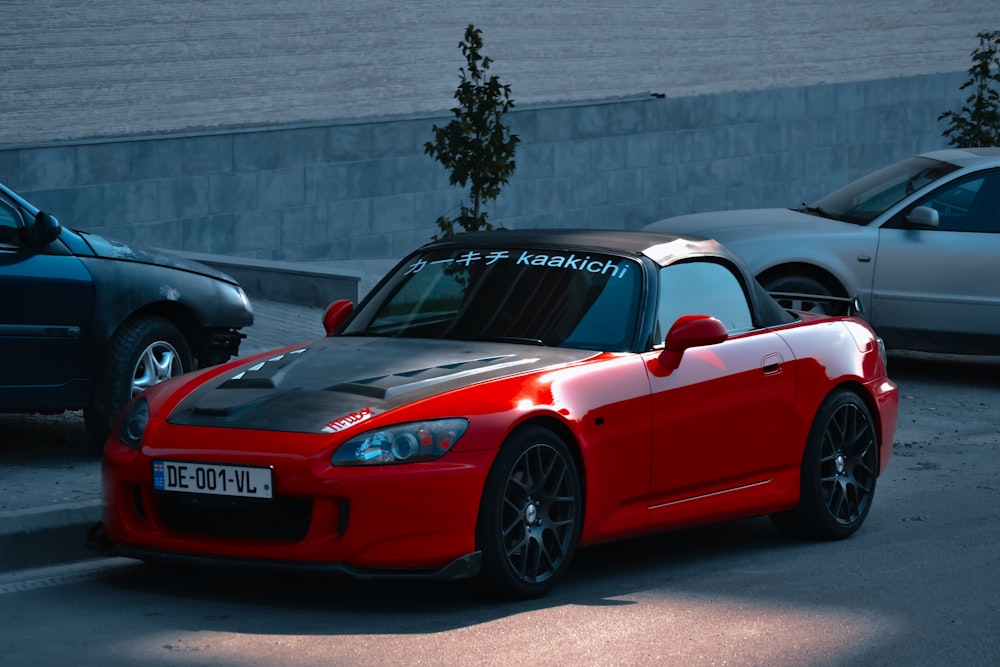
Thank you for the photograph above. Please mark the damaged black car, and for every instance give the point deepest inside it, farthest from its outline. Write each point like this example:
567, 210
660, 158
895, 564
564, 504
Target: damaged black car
87, 322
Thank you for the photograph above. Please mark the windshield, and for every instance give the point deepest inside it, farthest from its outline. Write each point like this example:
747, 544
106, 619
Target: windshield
868, 197
582, 300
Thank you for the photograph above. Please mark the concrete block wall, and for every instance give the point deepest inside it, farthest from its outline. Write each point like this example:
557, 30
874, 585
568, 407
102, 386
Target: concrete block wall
366, 190
108, 69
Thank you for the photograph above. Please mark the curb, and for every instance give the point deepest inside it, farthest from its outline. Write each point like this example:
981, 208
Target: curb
47, 535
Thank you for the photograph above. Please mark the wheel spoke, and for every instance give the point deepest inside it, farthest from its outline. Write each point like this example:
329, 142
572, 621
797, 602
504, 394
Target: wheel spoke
163, 365
144, 376
556, 479
526, 559
533, 564
513, 524
835, 500
546, 478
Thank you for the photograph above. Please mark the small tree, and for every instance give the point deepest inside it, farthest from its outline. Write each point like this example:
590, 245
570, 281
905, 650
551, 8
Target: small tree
475, 146
978, 123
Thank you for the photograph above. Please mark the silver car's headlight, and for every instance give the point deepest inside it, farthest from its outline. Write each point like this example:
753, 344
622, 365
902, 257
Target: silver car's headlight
401, 443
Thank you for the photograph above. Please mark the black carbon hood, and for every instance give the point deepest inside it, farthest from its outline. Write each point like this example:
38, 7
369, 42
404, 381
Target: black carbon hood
335, 382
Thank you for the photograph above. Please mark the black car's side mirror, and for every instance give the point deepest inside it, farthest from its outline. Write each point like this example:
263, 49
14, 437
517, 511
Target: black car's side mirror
44, 230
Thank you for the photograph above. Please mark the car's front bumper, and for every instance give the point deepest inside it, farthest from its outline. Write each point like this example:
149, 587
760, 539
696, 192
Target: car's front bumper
375, 519
464, 567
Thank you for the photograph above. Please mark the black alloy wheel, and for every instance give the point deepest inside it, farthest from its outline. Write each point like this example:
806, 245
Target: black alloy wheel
839, 471
530, 516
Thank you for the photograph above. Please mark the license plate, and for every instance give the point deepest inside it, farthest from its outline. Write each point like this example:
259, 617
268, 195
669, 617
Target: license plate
212, 478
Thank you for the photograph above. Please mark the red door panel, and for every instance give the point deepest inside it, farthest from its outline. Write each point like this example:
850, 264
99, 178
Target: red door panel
720, 420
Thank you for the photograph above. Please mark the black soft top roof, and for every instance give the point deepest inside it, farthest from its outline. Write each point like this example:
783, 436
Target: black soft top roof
660, 247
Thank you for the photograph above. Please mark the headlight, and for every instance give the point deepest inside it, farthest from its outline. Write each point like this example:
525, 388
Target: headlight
245, 300
402, 443
132, 423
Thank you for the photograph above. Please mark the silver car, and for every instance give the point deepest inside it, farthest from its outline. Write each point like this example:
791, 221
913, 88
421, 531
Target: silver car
917, 243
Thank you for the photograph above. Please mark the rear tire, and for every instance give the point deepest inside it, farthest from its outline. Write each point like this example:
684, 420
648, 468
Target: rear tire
143, 352
802, 285
839, 471
530, 516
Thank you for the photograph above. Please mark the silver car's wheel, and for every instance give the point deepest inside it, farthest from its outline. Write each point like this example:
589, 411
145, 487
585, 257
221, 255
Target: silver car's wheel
839, 470
801, 286
530, 516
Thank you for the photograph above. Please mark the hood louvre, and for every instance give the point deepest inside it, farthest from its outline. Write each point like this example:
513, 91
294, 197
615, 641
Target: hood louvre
387, 386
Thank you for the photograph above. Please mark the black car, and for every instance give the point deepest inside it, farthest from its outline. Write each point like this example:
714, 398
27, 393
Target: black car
87, 322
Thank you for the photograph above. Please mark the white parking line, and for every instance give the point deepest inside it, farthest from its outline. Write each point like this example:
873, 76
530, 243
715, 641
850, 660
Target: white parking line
16, 581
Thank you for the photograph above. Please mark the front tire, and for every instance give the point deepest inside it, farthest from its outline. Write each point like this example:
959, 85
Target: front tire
530, 516
143, 352
839, 471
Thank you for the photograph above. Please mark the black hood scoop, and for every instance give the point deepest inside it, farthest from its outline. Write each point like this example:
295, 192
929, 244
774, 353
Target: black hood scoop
336, 379
388, 386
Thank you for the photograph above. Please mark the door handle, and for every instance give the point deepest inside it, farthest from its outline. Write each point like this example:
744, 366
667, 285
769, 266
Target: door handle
771, 364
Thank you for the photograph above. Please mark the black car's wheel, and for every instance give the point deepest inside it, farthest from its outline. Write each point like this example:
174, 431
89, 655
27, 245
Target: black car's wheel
145, 351
530, 516
839, 469
802, 285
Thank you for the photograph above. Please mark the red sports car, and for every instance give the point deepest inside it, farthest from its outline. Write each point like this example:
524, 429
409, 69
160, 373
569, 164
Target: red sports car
500, 399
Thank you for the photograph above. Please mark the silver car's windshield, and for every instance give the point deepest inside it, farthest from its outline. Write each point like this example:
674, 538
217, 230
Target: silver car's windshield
558, 298
868, 197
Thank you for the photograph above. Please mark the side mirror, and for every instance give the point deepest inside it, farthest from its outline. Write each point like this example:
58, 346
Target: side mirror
923, 216
335, 316
44, 230
687, 332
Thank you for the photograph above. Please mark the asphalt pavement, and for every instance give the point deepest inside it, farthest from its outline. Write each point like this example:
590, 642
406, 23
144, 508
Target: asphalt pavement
50, 473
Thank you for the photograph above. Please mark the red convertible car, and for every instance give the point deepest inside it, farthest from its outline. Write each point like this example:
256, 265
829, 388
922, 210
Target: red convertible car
498, 400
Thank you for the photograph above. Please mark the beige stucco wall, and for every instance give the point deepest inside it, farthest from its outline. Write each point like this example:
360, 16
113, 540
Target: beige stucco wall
72, 69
